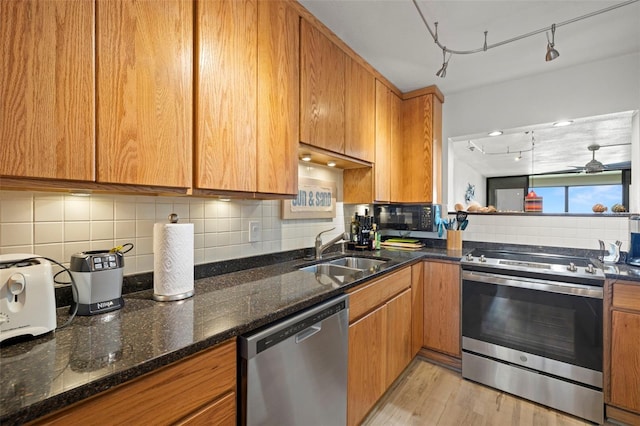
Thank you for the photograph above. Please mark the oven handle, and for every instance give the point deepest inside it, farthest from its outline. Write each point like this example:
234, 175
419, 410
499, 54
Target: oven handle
534, 284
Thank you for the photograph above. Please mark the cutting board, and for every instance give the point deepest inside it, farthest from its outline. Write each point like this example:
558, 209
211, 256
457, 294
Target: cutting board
402, 243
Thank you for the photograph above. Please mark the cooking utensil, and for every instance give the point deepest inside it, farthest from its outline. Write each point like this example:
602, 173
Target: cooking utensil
464, 225
461, 216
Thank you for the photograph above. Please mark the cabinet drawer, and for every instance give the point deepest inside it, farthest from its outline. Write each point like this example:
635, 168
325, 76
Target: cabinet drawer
367, 297
219, 413
160, 397
626, 296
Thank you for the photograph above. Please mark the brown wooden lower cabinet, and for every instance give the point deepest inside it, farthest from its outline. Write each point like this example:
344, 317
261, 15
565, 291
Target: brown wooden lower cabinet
398, 335
367, 359
417, 307
623, 345
442, 307
379, 340
198, 390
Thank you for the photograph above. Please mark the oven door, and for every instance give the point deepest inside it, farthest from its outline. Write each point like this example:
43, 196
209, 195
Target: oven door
547, 326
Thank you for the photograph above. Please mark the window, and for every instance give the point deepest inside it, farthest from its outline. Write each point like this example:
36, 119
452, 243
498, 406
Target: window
562, 193
582, 198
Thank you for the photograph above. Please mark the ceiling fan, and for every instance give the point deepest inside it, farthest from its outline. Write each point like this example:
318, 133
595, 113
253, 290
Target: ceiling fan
595, 166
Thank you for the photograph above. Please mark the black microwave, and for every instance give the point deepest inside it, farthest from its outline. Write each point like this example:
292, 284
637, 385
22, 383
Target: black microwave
406, 217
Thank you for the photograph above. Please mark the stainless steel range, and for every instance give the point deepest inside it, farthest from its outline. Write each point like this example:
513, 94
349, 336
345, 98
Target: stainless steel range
532, 326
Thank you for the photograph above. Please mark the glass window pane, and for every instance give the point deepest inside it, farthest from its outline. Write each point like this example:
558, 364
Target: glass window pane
583, 198
552, 198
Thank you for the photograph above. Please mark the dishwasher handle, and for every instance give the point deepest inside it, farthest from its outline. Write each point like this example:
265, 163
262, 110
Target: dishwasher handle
305, 334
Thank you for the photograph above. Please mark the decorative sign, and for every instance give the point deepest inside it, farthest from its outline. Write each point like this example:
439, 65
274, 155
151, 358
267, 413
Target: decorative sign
316, 200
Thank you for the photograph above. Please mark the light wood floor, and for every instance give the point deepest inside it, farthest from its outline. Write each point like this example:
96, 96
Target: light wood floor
427, 394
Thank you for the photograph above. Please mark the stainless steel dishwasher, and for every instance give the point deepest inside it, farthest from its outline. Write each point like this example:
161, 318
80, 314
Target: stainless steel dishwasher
295, 371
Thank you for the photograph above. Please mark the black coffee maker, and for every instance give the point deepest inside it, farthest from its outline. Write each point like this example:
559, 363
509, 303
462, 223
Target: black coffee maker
634, 243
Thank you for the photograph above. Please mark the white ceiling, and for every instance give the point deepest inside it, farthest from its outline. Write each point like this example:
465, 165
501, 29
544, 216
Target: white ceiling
390, 35
555, 148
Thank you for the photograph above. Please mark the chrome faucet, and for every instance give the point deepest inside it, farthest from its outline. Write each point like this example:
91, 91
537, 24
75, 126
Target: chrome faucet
320, 248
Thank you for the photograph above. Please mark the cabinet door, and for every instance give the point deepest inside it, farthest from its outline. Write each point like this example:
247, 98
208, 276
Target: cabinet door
145, 92
322, 73
162, 397
383, 143
417, 142
417, 307
366, 380
625, 360
47, 89
397, 167
442, 307
399, 353
226, 95
278, 98
360, 101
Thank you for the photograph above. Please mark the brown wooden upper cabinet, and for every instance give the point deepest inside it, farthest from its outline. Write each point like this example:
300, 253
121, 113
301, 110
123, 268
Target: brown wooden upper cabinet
421, 144
47, 89
278, 97
337, 98
360, 101
226, 103
388, 145
247, 96
144, 92
322, 82
382, 167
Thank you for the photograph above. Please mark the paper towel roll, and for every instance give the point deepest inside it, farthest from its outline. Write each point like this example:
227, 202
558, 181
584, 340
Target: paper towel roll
172, 261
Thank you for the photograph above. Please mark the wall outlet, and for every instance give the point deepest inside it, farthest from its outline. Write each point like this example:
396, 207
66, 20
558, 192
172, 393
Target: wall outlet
255, 231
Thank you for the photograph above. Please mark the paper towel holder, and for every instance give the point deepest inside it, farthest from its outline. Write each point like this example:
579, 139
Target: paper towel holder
173, 218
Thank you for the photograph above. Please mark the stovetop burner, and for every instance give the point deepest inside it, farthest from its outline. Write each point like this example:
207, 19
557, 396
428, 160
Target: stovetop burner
535, 265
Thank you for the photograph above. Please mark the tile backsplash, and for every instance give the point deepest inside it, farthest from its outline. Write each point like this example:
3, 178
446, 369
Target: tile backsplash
57, 225
581, 232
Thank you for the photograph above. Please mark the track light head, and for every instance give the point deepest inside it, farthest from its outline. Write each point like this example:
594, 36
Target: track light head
442, 72
552, 53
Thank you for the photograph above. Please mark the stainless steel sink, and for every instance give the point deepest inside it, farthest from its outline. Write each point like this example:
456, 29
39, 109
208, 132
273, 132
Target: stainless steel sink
360, 263
346, 266
331, 269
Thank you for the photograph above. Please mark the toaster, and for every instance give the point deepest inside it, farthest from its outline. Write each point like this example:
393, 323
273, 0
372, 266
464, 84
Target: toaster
98, 278
27, 297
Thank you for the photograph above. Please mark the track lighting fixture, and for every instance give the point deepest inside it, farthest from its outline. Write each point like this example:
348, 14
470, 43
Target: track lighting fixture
552, 53
442, 72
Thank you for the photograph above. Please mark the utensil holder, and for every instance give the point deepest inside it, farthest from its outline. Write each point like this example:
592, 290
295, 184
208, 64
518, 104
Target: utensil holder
454, 240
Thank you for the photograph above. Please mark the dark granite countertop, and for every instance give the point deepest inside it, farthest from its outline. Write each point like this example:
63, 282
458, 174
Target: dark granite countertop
622, 271
95, 353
